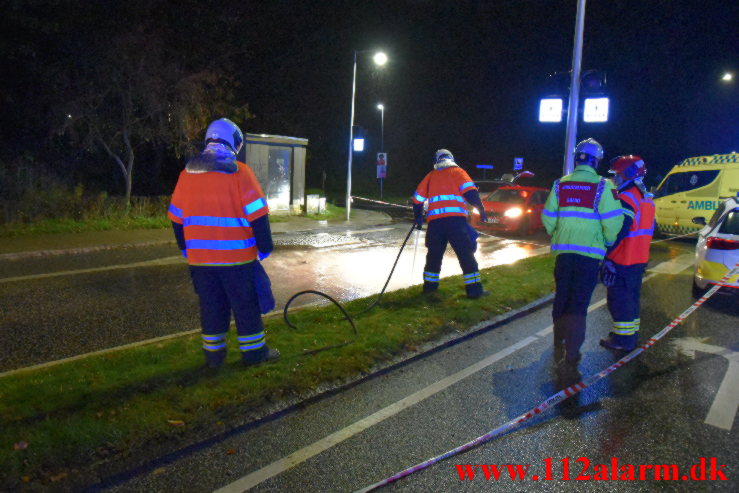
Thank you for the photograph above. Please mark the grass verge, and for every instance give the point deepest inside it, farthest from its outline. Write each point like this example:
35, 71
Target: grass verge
127, 405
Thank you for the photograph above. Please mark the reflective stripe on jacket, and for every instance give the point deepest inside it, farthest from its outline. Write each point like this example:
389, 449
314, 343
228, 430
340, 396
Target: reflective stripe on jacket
215, 209
582, 213
444, 189
634, 248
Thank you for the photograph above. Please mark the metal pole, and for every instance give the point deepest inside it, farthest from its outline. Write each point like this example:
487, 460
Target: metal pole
351, 143
382, 138
382, 129
573, 103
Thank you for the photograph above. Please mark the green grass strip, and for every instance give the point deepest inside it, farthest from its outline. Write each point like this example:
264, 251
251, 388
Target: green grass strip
76, 414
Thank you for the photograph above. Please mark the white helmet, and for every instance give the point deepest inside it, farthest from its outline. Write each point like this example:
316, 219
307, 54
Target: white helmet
588, 147
443, 154
226, 132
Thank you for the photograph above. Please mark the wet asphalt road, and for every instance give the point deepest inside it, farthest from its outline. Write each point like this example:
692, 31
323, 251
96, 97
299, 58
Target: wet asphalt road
61, 306
652, 411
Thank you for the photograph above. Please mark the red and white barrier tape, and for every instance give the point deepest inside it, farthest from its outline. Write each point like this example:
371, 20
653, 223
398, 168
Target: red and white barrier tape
559, 396
383, 203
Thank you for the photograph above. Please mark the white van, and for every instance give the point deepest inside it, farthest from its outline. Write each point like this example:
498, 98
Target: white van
695, 187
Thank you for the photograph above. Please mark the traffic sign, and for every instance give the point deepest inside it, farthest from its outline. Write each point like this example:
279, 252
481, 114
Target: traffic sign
517, 163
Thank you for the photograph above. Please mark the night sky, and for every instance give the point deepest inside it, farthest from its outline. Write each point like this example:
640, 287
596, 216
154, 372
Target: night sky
467, 76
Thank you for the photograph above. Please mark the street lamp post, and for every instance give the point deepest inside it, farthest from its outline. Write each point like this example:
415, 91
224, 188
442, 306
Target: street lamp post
379, 59
381, 107
571, 133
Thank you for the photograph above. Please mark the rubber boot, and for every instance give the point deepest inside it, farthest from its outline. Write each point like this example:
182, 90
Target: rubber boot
618, 342
214, 359
430, 287
262, 355
475, 290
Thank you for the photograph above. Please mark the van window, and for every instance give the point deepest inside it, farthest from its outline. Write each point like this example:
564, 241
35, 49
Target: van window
688, 180
731, 223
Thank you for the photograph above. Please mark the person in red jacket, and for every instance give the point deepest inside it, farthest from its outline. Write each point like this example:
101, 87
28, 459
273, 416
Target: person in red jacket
447, 189
627, 258
221, 223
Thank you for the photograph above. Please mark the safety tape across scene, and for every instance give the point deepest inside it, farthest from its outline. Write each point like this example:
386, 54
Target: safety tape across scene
559, 396
383, 203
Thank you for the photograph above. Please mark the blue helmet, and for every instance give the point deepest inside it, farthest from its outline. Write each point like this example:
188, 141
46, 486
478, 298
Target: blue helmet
588, 150
443, 154
224, 131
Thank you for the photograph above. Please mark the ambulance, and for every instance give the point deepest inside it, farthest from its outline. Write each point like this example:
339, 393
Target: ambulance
695, 187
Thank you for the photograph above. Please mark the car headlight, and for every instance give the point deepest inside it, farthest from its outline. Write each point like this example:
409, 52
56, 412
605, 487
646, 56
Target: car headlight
475, 211
513, 212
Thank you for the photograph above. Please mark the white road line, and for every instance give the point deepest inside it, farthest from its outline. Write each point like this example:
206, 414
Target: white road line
674, 266
300, 456
726, 402
277, 467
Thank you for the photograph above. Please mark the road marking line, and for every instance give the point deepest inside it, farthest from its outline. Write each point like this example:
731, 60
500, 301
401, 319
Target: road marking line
378, 230
305, 453
300, 456
674, 266
177, 259
726, 402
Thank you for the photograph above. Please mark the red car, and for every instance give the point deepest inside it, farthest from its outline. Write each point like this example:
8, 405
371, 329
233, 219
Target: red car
513, 208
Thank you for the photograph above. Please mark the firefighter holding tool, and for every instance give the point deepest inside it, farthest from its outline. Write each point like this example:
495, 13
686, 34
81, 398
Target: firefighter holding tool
448, 188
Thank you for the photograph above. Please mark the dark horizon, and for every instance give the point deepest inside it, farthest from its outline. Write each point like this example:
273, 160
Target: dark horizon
463, 76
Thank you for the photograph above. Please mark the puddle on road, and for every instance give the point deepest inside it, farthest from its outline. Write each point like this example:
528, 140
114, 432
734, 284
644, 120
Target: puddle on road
347, 274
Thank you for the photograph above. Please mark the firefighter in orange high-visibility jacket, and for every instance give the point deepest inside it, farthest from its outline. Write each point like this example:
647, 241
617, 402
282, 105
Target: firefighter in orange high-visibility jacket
447, 189
627, 259
221, 223
583, 216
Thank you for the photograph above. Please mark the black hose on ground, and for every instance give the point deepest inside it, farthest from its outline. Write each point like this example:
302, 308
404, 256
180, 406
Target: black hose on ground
347, 316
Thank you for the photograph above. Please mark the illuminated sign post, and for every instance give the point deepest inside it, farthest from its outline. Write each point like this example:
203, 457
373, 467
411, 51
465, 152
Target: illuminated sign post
595, 110
484, 167
550, 110
381, 168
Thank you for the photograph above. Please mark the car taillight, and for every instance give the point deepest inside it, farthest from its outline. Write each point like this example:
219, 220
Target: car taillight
722, 244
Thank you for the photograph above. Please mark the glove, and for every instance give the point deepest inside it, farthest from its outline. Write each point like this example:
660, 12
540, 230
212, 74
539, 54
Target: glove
419, 222
608, 273
261, 256
483, 217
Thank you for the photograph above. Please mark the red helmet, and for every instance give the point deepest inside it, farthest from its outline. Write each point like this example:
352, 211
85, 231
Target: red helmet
627, 168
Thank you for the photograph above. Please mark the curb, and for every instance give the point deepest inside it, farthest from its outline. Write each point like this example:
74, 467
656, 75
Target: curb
97, 248
288, 406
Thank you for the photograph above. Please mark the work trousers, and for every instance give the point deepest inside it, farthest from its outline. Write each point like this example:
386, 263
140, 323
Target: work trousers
453, 231
576, 277
624, 298
223, 290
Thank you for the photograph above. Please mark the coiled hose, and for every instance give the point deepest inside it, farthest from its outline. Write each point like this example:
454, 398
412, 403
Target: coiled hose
346, 314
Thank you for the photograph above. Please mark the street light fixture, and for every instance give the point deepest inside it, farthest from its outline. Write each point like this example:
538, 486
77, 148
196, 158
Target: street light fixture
728, 76
380, 59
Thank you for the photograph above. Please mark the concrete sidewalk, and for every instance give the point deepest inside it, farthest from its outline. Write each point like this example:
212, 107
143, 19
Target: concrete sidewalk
70, 243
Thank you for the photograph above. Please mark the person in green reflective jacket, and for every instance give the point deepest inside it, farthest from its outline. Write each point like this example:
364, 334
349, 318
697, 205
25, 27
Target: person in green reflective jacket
583, 216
